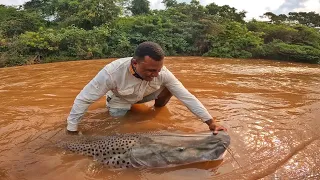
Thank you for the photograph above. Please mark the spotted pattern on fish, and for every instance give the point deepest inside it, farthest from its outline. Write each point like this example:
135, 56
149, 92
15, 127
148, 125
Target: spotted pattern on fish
112, 151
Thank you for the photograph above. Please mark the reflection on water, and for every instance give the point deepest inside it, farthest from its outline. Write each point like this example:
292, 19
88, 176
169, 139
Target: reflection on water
271, 110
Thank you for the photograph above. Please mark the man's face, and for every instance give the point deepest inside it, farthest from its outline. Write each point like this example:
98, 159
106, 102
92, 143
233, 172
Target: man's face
148, 68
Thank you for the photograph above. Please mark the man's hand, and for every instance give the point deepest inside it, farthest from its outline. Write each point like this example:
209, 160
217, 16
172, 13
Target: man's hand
215, 127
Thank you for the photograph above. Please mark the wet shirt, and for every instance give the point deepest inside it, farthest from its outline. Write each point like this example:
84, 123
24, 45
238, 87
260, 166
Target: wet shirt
118, 77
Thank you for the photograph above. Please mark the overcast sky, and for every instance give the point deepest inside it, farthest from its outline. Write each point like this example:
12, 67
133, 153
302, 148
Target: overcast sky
254, 8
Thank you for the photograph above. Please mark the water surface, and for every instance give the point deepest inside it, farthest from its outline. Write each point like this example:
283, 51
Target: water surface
271, 109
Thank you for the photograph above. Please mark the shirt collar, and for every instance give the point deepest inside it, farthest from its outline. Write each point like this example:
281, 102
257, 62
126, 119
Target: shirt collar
133, 71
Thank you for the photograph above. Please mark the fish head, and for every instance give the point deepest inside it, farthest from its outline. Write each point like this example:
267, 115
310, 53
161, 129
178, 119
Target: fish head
168, 150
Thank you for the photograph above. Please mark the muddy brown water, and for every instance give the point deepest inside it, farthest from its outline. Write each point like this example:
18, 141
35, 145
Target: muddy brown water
271, 109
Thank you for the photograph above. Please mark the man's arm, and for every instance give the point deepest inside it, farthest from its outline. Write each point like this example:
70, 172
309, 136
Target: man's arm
93, 91
190, 101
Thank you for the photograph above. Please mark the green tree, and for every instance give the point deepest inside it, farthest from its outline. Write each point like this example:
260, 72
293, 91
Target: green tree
14, 22
310, 19
290, 52
169, 3
235, 41
306, 36
294, 34
139, 7
226, 12
81, 13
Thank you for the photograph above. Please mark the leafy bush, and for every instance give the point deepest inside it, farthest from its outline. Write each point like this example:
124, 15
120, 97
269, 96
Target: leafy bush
235, 41
291, 52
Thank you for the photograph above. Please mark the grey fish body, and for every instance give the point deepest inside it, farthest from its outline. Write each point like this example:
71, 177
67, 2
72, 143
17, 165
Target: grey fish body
152, 150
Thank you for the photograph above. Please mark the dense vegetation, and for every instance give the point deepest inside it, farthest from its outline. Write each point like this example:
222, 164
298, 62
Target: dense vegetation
57, 30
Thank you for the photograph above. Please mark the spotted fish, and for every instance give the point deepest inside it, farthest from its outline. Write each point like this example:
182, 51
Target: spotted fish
151, 150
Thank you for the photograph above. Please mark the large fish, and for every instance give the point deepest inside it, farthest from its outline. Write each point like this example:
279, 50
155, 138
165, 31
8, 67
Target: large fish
152, 150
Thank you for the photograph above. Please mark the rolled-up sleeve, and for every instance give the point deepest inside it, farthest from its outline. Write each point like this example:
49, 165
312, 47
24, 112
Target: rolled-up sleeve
93, 91
189, 100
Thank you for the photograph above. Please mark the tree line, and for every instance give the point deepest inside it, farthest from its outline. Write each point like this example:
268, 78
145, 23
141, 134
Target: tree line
41, 31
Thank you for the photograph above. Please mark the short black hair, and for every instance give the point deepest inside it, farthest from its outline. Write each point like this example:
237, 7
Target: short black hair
150, 49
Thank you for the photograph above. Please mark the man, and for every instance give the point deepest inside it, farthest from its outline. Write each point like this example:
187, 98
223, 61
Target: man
140, 79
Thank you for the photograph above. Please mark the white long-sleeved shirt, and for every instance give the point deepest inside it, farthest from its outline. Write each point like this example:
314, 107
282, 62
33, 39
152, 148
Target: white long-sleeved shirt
128, 90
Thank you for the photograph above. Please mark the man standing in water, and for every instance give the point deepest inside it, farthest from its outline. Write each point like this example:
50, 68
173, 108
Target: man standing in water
140, 79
